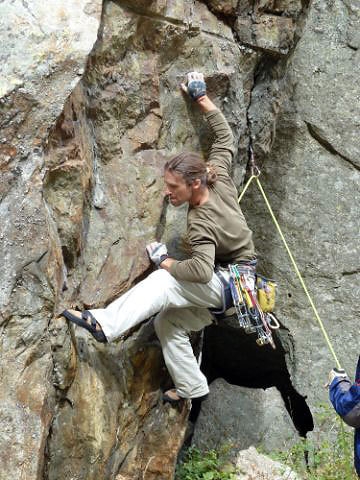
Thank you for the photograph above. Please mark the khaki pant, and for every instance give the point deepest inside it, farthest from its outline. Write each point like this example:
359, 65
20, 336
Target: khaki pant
181, 307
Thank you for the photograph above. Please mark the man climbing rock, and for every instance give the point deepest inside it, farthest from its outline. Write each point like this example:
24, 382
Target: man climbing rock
345, 397
179, 291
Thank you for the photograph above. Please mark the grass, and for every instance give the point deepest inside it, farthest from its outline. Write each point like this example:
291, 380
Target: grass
209, 465
328, 455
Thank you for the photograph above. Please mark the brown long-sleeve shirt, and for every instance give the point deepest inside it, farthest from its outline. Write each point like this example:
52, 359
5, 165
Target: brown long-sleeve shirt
217, 230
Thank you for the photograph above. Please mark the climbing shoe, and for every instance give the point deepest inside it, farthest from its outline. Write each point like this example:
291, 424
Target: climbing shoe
170, 396
87, 321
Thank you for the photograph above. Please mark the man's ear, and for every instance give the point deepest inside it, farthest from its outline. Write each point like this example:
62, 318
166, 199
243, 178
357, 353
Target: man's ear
196, 184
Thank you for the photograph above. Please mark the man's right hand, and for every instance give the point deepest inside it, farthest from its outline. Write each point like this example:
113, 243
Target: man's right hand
157, 252
195, 85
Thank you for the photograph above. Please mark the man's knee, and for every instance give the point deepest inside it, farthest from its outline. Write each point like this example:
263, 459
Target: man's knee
160, 277
160, 325
164, 327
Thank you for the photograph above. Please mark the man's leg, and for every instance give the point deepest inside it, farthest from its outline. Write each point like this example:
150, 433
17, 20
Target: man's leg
158, 292
173, 327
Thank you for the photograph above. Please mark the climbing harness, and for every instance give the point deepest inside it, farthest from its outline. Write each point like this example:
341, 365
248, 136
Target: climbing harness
255, 173
249, 296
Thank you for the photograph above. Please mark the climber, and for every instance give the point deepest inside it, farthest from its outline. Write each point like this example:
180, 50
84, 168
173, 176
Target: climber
180, 292
345, 397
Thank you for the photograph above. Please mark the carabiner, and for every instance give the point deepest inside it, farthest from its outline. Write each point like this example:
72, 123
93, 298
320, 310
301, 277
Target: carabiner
273, 323
254, 169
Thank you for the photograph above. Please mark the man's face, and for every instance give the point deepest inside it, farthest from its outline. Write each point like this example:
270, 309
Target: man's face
177, 189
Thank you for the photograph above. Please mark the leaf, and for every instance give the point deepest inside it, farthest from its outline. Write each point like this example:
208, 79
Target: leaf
209, 476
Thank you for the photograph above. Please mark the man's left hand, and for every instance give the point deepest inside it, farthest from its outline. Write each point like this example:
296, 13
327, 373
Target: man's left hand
157, 252
336, 373
195, 85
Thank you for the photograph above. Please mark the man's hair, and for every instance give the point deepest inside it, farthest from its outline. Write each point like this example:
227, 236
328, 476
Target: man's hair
191, 166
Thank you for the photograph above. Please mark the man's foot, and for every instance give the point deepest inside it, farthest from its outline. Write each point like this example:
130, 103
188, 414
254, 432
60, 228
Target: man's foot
171, 396
86, 320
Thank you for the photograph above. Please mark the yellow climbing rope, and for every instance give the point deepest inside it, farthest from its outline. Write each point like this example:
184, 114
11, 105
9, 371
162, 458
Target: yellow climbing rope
256, 177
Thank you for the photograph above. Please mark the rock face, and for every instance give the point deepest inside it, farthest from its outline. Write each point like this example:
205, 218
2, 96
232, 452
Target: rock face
45, 51
312, 185
312, 180
89, 110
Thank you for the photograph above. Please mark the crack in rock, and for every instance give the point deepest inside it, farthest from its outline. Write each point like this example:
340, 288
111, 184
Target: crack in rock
318, 135
193, 28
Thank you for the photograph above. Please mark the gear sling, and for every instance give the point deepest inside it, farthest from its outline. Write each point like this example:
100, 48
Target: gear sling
241, 296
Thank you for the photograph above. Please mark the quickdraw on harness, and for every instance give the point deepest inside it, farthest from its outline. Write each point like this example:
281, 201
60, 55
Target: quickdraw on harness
252, 318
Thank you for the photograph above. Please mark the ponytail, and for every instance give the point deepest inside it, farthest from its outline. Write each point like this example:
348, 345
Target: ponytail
211, 174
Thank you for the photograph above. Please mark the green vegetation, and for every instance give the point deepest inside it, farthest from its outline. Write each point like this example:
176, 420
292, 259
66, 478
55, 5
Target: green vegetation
210, 465
330, 456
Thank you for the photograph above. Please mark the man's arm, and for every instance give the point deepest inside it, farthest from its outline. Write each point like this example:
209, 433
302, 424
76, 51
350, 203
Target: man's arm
222, 148
205, 104
166, 264
199, 268
196, 269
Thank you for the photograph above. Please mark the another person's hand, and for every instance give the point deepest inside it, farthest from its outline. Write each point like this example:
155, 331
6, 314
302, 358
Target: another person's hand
195, 85
336, 373
157, 252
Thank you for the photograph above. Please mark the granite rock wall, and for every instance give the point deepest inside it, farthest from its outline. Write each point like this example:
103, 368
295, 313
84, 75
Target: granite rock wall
90, 108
